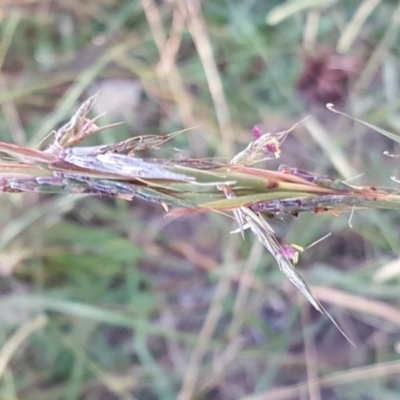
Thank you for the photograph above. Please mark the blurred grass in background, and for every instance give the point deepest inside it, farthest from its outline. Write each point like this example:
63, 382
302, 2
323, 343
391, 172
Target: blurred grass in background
102, 299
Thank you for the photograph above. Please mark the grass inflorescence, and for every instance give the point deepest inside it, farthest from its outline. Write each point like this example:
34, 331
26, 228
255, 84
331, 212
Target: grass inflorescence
255, 196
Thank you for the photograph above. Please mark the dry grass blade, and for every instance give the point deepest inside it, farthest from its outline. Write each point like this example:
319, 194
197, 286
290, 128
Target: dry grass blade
342, 378
17, 339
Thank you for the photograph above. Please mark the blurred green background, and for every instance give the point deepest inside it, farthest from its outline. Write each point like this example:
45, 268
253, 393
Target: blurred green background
102, 299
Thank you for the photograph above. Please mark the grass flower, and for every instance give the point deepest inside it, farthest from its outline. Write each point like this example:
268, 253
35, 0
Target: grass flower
254, 196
